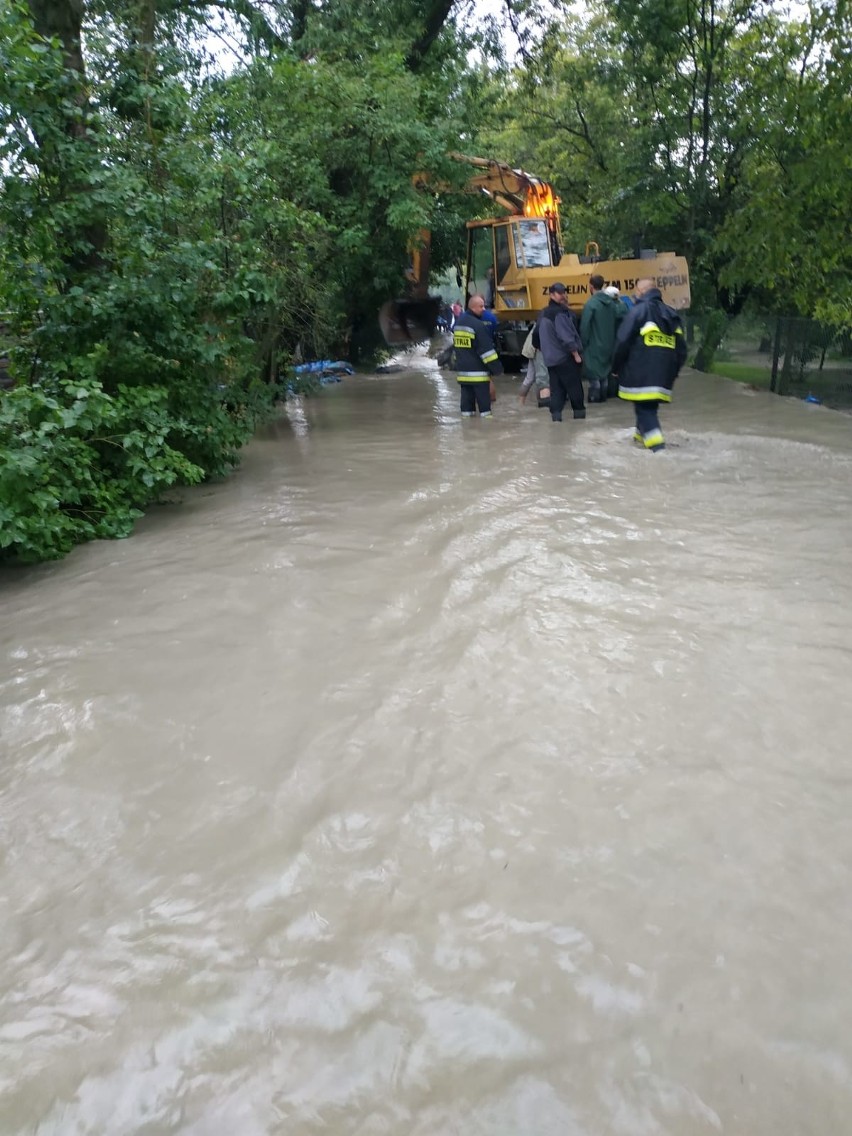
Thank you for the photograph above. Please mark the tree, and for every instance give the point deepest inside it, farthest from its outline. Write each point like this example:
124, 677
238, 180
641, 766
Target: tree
685, 125
789, 236
171, 241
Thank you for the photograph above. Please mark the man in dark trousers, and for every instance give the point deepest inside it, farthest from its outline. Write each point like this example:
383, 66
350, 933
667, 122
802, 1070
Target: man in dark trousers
598, 328
649, 353
560, 345
476, 359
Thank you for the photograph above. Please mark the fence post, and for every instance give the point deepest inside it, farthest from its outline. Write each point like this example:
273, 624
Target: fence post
776, 351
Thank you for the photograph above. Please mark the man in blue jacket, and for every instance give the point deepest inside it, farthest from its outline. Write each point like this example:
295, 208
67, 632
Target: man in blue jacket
649, 353
560, 345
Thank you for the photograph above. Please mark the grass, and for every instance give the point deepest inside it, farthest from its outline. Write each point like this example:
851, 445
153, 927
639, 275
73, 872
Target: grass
743, 373
836, 395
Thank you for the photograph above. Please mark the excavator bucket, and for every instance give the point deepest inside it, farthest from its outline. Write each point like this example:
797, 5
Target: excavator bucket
404, 322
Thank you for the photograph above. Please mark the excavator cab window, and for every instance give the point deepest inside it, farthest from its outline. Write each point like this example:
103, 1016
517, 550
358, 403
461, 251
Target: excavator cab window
504, 257
532, 244
480, 259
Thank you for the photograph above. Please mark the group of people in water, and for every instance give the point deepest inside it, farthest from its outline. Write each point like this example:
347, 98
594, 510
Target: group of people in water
634, 350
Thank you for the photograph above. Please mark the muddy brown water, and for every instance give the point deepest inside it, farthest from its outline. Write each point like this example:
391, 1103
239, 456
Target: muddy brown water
433, 778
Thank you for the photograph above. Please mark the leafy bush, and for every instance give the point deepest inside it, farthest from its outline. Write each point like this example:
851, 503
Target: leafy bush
171, 243
712, 333
78, 464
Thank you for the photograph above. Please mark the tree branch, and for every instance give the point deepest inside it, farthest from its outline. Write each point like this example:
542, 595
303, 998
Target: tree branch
437, 14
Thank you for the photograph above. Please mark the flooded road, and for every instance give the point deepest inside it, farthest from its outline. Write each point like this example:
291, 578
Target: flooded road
432, 778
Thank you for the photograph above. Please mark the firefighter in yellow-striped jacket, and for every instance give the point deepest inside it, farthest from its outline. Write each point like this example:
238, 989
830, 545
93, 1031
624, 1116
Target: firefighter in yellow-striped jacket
649, 353
476, 359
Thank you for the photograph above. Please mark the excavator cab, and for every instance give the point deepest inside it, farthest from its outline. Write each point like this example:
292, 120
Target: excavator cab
501, 254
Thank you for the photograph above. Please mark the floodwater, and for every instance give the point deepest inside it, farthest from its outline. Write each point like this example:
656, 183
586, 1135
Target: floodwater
433, 777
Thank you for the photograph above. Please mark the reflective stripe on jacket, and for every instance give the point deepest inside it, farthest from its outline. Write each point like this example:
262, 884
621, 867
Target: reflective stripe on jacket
650, 350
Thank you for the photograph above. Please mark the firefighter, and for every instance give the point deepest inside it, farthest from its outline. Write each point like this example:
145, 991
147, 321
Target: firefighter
649, 353
476, 359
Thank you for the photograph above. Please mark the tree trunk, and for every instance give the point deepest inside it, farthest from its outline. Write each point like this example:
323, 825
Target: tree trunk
63, 20
435, 15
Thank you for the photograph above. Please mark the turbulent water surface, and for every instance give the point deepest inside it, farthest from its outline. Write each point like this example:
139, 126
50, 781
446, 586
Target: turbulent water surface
433, 778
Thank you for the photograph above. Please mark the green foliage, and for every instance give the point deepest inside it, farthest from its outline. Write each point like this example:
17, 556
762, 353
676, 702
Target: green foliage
789, 236
713, 328
78, 463
719, 130
172, 243
327, 194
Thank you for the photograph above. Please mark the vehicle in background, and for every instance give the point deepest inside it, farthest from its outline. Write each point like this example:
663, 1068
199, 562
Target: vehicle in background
512, 260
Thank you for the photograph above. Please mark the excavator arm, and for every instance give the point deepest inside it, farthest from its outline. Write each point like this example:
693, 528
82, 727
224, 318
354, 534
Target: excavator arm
412, 319
519, 193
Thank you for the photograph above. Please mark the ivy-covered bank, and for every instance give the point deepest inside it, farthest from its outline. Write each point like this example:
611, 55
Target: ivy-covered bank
78, 463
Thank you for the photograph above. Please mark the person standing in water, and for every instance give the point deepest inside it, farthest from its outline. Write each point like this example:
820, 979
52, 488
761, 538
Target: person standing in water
476, 359
559, 340
598, 328
649, 353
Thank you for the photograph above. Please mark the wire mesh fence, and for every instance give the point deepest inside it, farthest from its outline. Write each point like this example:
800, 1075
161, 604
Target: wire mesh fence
792, 356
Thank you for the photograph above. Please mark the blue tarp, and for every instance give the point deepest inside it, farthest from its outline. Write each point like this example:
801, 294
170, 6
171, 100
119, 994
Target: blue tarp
328, 369
324, 371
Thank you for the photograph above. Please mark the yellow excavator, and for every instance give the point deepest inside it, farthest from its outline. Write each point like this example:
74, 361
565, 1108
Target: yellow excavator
512, 261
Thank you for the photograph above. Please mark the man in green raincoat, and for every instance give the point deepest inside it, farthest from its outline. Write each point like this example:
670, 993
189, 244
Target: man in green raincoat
598, 329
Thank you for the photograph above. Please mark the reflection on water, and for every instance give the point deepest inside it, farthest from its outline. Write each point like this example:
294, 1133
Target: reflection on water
433, 777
